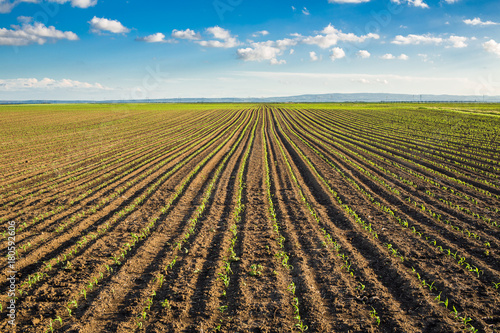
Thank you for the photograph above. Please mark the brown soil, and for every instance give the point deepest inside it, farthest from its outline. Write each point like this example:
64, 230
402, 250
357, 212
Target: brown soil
361, 287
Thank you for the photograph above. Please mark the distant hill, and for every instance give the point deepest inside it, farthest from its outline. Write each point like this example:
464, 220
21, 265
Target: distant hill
321, 98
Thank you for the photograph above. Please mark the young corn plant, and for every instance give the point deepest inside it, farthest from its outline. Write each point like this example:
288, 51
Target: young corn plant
166, 304
374, 314
255, 270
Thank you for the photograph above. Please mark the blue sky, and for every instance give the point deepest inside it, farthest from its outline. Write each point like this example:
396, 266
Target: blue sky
103, 49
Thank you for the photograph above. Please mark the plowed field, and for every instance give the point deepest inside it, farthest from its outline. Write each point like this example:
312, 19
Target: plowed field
251, 218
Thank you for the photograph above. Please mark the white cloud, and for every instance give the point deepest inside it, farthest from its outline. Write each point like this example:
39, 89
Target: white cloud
186, 34
418, 3
451, 1
102, 24
223, 36
293, 8
313, 56
78, 3
232, 42
389, 56
260, 51
477, 21
24, 19
33, 33
305, 11
219, 33
330, 36
292, 51
337, 53
275, 61
6, 6
155, 38
361, 80
260, 33
347, 1
268, 50
285, 43
46, 83
455, 41
363, 54
416, 39
492, 47
414, 3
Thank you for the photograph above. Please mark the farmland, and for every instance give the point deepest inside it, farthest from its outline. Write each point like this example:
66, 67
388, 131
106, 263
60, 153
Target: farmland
251, 218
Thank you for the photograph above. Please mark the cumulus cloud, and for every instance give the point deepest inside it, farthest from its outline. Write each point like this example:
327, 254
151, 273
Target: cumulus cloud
389, 56
222, 37
492, 47
260, 33
6, 6
33, 33
363, 54
99, 25
330, 36
46, 83
268, 50
217, 43
477, 21
24, 19
416, 39
186, 34
219, 33
414, 3
325, 38
305, 11
78, 3
154, 38
458, 41
259, 52
418, 3
285, 43
275, 61
455, 41
337, 53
